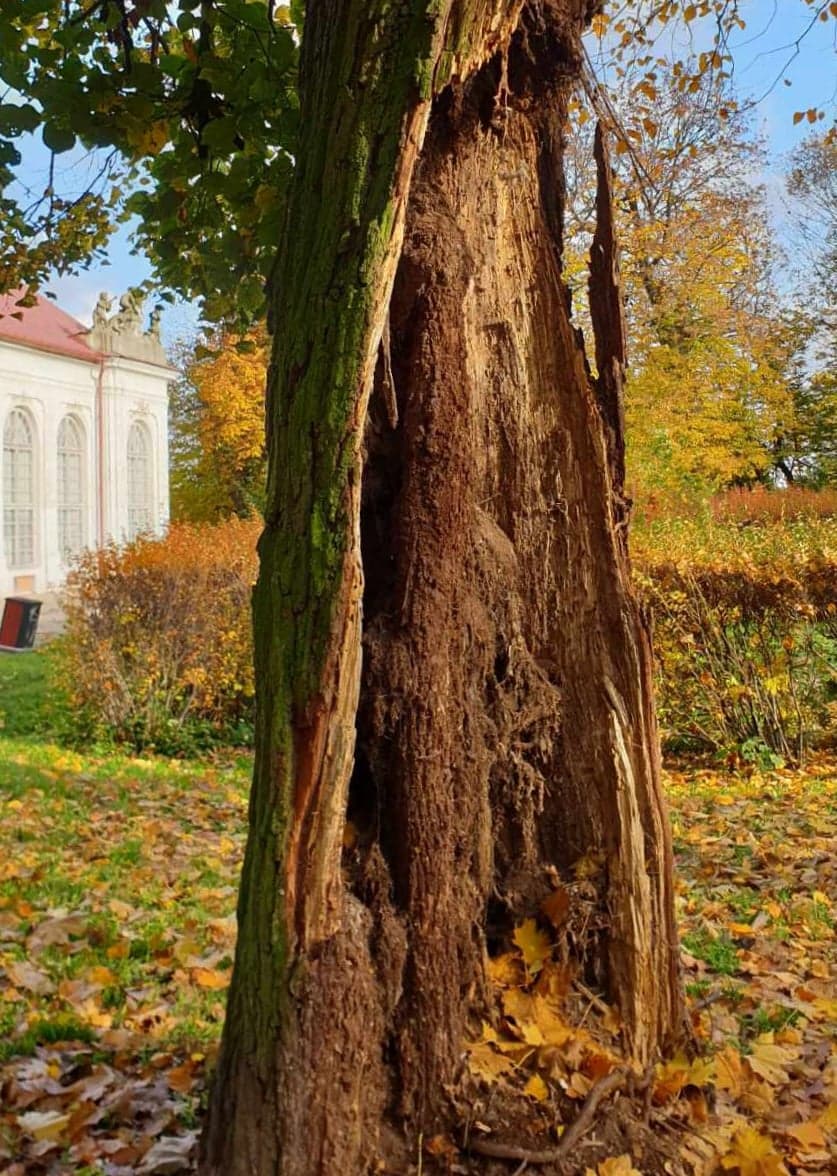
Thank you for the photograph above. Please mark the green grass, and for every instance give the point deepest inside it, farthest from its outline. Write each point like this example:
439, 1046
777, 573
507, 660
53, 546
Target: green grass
24, 693
143, 852
719, 953
46, 1031
764, 1020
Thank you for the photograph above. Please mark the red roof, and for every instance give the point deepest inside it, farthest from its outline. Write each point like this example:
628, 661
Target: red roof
45, 327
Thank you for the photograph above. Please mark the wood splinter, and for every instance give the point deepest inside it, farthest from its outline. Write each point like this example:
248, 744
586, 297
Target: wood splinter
612, 1082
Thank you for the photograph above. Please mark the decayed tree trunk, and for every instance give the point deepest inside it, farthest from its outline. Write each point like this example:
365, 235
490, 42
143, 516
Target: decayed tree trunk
453, 674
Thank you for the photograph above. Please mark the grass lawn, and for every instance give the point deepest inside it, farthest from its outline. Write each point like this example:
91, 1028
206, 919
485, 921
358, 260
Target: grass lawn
117, 894
23, 687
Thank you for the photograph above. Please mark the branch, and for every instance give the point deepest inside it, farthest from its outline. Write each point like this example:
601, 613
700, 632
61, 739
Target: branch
579, 1126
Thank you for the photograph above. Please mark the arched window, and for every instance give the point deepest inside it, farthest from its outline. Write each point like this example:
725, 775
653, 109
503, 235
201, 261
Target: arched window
140, 483
71, 536
19, 489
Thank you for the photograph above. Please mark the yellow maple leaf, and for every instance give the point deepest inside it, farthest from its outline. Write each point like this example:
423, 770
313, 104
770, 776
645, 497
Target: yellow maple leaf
534, 945
729, 1073
505, 971
485, 1062
536, 1088
770, 1061
552, 1025
827, 1007
809, 1135
753, 1154
669, 1079
614, 1166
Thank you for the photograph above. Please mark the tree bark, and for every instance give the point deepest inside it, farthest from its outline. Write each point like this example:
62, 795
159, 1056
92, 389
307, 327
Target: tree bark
454, 690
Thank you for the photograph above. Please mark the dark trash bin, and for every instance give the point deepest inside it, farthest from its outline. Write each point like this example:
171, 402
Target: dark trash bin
19, 624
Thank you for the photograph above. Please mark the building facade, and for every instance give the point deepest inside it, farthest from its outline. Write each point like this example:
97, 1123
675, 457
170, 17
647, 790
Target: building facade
84, 421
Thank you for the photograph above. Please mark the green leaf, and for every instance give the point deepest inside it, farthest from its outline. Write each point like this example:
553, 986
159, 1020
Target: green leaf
58, 139
17, 119
220, 134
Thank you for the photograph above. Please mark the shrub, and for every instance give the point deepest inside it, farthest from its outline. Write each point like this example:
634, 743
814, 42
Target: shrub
745, 633
763, 505
157, 650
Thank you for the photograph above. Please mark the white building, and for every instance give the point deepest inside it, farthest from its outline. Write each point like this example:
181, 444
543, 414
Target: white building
84, 420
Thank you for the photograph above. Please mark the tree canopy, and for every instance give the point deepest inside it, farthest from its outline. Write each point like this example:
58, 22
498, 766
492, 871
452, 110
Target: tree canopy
192, 107
187, 114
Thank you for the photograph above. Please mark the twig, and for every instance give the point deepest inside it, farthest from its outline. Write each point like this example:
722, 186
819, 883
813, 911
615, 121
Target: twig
596, 1001
698, 1006
580, 1124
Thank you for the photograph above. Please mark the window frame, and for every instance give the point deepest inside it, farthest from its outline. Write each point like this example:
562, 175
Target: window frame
72, 538
20, 554
141, 519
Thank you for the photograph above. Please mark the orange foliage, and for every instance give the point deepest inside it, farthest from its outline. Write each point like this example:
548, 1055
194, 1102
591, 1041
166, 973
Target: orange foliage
762, 505
158, 648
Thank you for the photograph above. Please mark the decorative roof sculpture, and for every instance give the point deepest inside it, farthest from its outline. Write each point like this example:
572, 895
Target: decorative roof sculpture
34, 321
123, 333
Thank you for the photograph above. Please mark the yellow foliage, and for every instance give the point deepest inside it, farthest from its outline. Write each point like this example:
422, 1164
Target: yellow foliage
221, 471
753, 1154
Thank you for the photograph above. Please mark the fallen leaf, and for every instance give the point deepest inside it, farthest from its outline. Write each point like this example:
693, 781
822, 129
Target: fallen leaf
534, 945
809, 1135
729, 1072
486, 1062
669, 1079
56, 932
181, 1078
169, 1155
614, 1166
100, 975
770, 1061
210, 978
536, 1088
44, 1124
753, 1154
556, 906
506, 971
441, 1145
24, 976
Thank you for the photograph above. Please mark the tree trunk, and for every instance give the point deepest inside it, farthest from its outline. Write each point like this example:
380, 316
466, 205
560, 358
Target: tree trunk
453, 674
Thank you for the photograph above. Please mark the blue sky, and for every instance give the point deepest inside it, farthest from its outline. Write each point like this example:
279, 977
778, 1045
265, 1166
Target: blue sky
765, 60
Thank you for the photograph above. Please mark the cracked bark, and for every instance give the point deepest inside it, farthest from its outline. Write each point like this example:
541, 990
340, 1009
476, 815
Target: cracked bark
453, 674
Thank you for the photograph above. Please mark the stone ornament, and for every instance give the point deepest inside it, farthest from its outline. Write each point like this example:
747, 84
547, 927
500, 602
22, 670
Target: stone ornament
123, 333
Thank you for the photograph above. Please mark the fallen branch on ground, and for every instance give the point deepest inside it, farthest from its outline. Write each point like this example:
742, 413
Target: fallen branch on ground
579, 1126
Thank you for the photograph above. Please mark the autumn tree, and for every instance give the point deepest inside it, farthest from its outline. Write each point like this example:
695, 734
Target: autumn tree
812, 186
806, 449
454, 687
218, 461
709, 390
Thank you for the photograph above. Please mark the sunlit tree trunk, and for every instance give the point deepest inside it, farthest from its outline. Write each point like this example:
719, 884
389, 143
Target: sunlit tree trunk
453, 674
